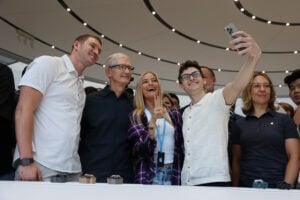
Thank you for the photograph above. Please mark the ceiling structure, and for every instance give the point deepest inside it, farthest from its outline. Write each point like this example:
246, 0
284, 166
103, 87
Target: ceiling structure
156, 34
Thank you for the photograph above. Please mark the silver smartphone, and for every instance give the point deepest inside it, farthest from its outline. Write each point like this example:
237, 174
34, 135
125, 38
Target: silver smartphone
229, 29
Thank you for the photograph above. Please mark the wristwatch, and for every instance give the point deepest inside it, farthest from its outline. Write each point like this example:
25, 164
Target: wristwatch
23, 162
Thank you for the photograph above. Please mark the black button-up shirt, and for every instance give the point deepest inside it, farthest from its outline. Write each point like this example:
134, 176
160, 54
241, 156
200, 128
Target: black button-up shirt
104, 148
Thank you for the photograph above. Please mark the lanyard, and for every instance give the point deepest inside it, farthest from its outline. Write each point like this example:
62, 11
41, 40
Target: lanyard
161, 137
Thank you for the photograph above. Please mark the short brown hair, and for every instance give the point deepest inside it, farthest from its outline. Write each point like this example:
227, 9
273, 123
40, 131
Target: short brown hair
83, 38
187, 64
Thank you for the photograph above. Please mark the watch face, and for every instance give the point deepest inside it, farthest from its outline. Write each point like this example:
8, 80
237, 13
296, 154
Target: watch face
26, 161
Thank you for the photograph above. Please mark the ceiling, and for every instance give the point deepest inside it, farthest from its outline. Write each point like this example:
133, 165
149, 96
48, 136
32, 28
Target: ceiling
29, 29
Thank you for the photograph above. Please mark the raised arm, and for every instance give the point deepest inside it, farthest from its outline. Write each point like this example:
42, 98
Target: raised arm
253, 52
28, 102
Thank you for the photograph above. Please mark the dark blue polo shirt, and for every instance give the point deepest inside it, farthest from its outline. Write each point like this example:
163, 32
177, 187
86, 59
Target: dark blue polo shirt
262, 143
104, 148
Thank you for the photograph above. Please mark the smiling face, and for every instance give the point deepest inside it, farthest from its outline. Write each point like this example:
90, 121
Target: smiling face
88, 51
117, 75
261, 91
150, 86
194, 81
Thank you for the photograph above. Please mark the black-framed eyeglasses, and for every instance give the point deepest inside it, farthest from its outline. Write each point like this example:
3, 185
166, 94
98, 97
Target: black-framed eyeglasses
122, 67
195, 74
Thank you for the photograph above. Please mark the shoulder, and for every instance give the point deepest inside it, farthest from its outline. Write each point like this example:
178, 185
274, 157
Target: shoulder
45, 64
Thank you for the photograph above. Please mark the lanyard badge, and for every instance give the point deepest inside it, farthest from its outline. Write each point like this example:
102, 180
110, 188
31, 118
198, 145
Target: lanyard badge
161, 138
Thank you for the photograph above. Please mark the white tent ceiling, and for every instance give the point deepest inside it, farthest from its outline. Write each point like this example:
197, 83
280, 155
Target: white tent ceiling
29, 27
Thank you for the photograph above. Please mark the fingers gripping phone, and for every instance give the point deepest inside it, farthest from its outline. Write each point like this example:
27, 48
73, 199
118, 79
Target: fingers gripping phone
229, 30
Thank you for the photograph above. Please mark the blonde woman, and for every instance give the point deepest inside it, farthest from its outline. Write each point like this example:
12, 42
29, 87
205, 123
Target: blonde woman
156, 135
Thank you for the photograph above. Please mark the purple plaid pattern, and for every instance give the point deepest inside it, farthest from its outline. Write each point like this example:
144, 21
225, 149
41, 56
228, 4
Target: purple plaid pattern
143, 148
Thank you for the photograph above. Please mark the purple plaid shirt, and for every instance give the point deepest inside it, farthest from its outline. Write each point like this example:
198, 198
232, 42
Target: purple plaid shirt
144, 148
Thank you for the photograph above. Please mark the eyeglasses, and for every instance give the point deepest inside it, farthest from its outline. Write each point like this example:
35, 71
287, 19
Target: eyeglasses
259, 85
123, 67
186, 77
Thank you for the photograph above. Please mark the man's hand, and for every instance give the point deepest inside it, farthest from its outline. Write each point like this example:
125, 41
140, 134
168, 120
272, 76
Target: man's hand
30, 173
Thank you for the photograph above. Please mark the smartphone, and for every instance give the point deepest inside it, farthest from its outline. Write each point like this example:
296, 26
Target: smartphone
229, 29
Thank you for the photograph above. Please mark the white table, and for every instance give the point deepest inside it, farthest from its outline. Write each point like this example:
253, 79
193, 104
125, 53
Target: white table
15, 190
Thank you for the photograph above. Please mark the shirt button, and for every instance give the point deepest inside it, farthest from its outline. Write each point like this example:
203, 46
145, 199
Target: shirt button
190, 117
188, 129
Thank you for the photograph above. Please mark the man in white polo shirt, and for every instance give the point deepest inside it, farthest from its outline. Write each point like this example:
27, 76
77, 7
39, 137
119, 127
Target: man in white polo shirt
49, 111
205, 121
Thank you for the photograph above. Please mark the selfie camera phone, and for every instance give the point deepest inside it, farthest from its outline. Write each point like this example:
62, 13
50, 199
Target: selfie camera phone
229, 30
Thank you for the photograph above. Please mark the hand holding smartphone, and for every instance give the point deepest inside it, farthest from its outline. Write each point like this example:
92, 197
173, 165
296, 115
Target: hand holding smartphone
229, 30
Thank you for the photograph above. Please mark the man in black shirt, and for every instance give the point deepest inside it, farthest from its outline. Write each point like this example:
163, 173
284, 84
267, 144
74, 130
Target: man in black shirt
104, 149
7, 105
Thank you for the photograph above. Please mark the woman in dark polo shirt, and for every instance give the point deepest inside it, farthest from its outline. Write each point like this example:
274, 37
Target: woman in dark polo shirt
265, 143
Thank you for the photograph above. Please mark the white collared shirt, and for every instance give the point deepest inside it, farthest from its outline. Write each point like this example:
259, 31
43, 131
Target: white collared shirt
57, 118
205, 132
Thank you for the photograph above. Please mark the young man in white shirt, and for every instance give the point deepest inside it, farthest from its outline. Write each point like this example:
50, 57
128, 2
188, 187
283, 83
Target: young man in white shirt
205, 121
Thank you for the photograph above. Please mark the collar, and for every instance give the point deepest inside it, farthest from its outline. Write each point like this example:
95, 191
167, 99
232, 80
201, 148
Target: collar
270, 112
106, 91
70, 67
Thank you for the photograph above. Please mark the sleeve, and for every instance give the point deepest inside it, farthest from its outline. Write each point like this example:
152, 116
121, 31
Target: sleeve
139, 138
235, 133
219, 100
290, 128
40, 73
179, 146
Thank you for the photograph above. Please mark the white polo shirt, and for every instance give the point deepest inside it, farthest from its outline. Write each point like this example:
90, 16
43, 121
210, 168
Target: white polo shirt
205, 132
57, 118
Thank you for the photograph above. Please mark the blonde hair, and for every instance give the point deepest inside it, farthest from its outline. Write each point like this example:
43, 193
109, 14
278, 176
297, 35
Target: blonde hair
246, 95
139, 97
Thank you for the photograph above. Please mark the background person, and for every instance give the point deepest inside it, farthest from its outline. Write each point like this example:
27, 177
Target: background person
293, 82
7, 108
167, 101
210, 79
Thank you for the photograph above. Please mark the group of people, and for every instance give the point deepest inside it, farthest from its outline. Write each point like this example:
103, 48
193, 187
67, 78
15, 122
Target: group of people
62, 132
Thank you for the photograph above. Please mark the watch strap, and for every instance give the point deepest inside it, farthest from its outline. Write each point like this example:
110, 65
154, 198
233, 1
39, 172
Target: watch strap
23, 162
